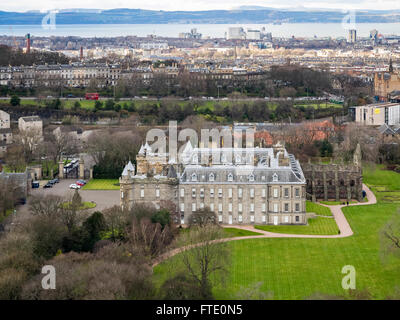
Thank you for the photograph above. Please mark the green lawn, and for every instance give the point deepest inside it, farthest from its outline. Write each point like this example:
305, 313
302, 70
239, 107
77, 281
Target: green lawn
85, 205
318, 209
316, 226
384, 183
102, 184
233, 232
321, 105
299, 268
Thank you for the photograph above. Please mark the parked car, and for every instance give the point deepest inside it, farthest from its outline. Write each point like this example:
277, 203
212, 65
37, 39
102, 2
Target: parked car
35, 184
82, 181
74, 186
80, 184
48, 185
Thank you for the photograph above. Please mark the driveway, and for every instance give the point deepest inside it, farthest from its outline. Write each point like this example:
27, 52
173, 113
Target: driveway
103, 198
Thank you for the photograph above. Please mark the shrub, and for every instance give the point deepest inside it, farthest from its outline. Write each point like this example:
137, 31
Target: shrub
15, 101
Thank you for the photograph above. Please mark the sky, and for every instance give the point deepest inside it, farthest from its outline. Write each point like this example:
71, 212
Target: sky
45, 5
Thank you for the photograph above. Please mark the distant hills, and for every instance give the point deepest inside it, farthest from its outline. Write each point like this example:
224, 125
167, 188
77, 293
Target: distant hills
243, 15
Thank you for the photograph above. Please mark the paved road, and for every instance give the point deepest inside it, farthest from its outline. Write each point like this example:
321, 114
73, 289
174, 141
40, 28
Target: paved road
103, 198
344, 227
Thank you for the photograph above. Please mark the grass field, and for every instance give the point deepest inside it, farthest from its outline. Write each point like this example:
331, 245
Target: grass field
102, 184
318, 209
233, 232
299, 268
85, 205
316, 226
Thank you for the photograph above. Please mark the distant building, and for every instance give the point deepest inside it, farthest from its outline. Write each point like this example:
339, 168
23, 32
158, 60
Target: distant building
385, 83
32, 124
373, 35
377, 114
236, 33
154, 45
352, 36
253, 35
5, 132
193, 34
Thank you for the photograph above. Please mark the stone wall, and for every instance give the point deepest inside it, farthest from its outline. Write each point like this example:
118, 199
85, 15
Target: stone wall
333, 181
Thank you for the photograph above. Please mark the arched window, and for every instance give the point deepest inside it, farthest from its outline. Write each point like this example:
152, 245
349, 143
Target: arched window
194, 177
211, 177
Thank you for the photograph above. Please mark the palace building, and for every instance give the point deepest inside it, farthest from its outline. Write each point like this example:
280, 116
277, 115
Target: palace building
241, 185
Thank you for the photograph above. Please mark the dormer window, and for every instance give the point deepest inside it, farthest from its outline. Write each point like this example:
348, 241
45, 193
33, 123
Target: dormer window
211, 177
230, 177
251, 177
238, 159
195, 159
275, 177
194, 177
223, 158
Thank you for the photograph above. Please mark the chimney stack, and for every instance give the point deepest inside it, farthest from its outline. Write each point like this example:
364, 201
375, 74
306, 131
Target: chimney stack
81, 55
28, 43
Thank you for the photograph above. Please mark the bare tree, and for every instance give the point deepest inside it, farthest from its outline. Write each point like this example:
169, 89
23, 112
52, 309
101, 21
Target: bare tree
29, 140
15, 158
57, 144
46, 205
205, 259
202, 218
390, 237
149, 238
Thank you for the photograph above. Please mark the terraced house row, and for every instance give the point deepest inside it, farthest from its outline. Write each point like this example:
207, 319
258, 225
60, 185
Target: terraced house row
241, 185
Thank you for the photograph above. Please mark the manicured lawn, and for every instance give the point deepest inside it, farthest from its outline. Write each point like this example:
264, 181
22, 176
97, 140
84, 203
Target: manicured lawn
318, 209
85, 205
299, 268
336, 203
102, 184
233, 232
316, 226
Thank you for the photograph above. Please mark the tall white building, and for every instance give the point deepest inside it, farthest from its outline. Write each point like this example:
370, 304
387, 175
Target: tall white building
236, 33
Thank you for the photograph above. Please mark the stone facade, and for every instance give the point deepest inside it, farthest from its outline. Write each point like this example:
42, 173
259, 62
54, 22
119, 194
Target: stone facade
385, 83
5, 132
335, 181
257, 185
32, 124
